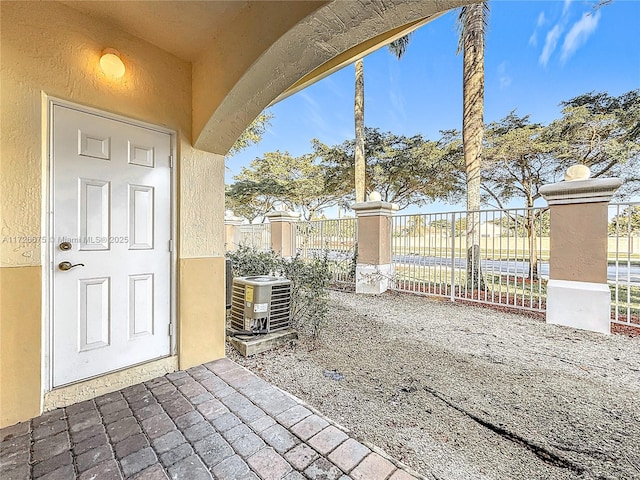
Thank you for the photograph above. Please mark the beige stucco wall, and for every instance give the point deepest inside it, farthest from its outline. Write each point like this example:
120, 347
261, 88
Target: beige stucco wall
202, 307
579, 242
374, 240
281, 233
50, 48
201, 204
20, 337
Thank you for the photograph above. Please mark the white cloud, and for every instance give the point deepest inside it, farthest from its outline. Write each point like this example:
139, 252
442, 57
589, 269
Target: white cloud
334, 88
565, 7
550, 44
578, 34
503, 77
313, 113
533, 39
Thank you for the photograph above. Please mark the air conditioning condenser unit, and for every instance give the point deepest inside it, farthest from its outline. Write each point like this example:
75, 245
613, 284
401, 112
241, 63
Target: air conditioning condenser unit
260, 304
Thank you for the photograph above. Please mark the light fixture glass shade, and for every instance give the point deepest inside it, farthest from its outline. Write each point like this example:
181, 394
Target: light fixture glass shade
111, 64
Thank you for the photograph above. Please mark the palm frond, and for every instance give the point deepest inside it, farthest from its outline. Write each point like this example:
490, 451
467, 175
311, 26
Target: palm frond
399, 47
472, 23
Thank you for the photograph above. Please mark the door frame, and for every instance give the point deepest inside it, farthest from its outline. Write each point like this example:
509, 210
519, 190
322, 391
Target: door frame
48, 242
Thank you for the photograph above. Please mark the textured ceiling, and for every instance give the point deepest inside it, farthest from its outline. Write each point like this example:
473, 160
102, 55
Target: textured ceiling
183, 28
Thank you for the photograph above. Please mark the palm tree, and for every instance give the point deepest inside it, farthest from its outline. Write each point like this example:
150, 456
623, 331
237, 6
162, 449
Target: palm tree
472, 23
360, 161
398, 48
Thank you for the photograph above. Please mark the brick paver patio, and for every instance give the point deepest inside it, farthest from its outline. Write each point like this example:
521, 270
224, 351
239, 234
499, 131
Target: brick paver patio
215, 421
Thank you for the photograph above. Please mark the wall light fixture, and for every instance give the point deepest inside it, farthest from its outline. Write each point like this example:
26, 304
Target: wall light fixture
111, 63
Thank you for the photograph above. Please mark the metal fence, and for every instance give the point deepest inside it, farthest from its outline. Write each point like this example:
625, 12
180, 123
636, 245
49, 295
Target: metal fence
623, 271
337, 239
432, 254
509, 266
257, 236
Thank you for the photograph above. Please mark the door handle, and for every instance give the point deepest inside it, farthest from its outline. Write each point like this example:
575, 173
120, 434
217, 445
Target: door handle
64, 266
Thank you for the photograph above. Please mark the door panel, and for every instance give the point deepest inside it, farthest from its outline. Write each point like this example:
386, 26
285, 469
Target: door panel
141, 205
94, 319
112, 202
140, 305
93, 205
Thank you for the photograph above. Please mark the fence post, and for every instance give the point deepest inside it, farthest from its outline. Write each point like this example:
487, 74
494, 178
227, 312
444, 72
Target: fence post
453, 257
231, 230
282, 227
374, 269
577, 293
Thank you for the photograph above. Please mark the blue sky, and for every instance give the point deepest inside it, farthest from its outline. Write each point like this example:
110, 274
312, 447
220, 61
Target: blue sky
538, 53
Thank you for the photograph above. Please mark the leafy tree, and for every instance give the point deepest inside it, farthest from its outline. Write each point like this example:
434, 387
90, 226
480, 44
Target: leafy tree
518, 225
253, 199
472, 23
602, 132
519, 157
626, 222
417, 226
440, 225
405, 170
252, 134
308, 190
297, 182
518, 160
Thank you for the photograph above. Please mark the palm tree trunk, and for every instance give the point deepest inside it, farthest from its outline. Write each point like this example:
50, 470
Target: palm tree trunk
359, 120
472, 131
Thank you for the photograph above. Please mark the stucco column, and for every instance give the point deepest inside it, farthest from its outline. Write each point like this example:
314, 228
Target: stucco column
282, 225
577, 293
231, 224
374, 270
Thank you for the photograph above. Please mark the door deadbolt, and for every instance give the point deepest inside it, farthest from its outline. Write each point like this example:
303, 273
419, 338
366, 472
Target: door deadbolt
64, 266
65, 246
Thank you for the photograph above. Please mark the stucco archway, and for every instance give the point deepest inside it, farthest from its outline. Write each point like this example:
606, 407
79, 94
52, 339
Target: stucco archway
324, 41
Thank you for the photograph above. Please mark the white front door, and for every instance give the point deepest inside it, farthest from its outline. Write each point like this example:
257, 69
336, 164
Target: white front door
112, 207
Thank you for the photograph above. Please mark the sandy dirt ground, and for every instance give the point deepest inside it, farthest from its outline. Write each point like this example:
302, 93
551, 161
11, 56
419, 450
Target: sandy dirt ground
466, 392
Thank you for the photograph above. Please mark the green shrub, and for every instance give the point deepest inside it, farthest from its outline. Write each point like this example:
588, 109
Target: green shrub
309, 281
247, 261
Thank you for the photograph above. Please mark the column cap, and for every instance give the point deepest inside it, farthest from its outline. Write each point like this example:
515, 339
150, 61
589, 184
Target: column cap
374, 209
233, 220
279, 216
591, 190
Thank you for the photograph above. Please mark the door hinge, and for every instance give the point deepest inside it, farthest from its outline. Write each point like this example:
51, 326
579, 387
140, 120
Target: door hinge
171, 329
170, 161
171, 245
